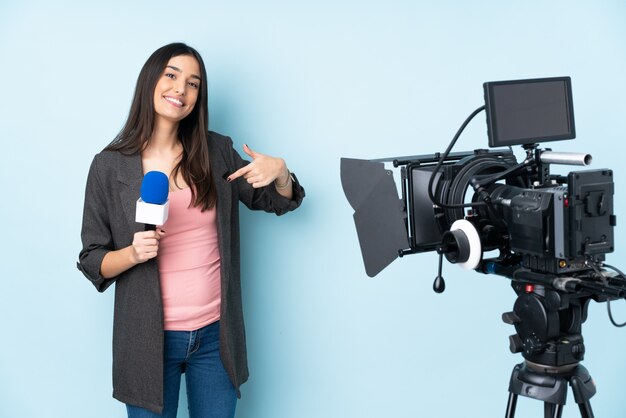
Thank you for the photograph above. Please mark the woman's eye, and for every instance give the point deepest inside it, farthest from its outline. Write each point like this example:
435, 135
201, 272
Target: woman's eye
170, 75
194, 85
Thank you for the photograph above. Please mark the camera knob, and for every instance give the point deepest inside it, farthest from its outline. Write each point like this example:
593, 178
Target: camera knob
515, 344
511, 318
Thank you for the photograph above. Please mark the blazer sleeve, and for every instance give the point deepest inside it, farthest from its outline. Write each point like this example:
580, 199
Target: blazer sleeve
264, 198
95, 234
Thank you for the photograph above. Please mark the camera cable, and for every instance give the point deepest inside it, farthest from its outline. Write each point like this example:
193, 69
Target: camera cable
440, 163
608, 302
608, 305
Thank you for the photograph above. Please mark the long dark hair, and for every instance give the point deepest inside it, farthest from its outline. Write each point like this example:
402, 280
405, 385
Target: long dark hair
192, 130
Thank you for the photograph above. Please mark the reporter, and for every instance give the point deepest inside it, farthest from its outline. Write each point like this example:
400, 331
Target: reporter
177, 294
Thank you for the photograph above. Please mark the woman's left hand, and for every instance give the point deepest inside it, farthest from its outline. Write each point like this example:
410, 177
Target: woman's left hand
263, 169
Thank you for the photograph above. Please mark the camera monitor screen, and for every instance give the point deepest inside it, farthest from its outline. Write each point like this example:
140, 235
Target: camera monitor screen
528, 111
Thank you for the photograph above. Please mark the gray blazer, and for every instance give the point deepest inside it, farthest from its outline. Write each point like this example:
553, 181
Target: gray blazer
113, 187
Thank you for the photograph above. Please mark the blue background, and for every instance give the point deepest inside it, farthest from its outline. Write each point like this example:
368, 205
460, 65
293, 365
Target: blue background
310, 83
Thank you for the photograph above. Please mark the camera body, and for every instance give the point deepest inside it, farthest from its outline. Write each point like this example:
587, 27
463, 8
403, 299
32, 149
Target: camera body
557, 229
549, 224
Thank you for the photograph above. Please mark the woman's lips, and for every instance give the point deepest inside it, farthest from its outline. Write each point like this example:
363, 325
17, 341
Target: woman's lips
173, 101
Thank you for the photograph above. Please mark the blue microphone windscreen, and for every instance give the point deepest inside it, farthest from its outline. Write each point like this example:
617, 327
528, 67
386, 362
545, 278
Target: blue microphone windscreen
155, 187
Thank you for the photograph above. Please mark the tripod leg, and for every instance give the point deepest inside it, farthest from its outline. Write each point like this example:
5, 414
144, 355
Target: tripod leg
510, 407
585, 410
548, 409
552, 410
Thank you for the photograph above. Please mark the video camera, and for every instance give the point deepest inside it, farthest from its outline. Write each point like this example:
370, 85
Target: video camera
550, 232
464, 204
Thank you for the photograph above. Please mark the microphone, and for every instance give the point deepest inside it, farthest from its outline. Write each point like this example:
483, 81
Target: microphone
153, 205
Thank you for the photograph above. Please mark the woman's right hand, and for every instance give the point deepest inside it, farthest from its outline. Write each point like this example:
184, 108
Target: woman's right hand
145, 245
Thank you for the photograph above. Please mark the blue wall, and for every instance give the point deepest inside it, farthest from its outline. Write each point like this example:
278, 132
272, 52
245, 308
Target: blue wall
311, 83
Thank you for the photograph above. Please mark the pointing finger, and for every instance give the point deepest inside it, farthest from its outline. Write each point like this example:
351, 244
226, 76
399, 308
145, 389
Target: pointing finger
239, 173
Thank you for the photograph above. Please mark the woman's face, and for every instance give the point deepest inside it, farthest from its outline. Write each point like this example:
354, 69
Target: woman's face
176, 91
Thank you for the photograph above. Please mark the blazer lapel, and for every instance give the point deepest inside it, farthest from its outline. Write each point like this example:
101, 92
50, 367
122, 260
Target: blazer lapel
130, 174
219, 171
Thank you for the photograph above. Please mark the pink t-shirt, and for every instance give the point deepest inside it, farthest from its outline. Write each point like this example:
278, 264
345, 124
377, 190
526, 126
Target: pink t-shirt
189, 265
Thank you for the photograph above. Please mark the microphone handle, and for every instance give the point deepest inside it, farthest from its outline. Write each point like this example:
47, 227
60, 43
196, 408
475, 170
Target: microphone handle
149, 227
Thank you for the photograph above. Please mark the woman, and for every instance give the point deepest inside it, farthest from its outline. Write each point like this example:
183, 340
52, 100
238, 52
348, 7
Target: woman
177, 294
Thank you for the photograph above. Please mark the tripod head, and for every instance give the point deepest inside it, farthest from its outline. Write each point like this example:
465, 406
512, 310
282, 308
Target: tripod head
549, 312
548, 325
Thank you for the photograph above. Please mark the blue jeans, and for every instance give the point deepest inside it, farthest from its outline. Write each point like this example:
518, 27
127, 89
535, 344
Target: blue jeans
210, 393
